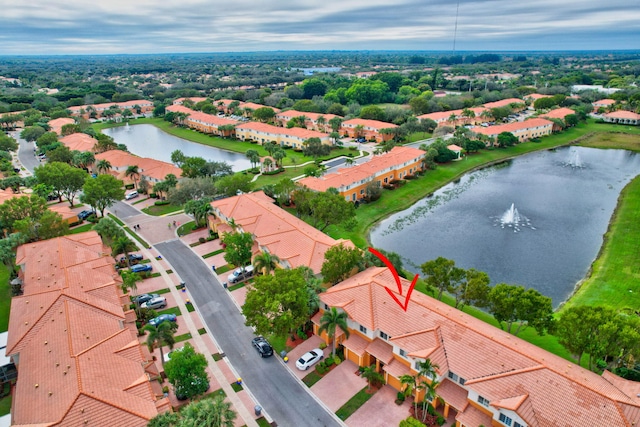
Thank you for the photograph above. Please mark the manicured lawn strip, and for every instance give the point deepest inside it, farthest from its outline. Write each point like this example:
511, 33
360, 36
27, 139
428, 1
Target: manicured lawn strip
187, 228
616, 267
160, 210
172, 310
213, 394
190, 308
5, 298
353, 404
117, 220
278, 343
155, 275
183, 337
223, 269
262, 422
162, 291
236, 387
311, 379
217, 357
5, 405
82, 228
234, 287
418, 136
202, 331
274, 179
404, 197
140, 201
138, 238
214, 253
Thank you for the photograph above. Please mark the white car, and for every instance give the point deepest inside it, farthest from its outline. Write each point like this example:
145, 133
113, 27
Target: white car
156, 302
131, 195
309, 359
238, 275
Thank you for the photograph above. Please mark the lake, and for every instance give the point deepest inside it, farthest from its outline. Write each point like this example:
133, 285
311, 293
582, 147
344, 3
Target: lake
536, 221
150, 141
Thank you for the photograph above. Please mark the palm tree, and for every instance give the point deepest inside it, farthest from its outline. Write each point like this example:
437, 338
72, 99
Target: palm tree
171, 180
267, 163
134, 173
103, 166
372, 376
265, 262
161, 335
215, 412
253, 156
130, 283
321, 124
329, 321
165, 419
411, 383
278, 155
123, 245
349, 161
427, 369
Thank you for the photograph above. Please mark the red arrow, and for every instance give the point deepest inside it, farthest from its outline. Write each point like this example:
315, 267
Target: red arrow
396, 277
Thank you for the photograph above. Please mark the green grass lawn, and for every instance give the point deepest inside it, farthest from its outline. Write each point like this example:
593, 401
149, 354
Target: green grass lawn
353, 404
159, 210
82, 228
5, 297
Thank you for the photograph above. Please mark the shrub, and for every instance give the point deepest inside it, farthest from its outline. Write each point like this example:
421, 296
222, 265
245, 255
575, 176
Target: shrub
153, 195
165, 389
337, 360
329, 362
161, 202
202, 240
321, 369
353, 148
322, 345
440, 420
129, 186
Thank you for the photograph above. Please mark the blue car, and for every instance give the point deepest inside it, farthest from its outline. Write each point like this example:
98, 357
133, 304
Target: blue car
139, 268
162, 318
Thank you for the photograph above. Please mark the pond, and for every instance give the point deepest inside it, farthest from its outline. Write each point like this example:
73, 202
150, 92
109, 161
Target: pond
536, 221
150, 141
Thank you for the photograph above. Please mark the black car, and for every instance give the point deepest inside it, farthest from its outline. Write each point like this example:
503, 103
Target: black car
263, 346
85, 214
140, 299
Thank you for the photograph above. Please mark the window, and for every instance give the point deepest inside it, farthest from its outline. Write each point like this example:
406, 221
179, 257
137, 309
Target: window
517, 424
384, 336
462, 381
363, 329
403, 353
326, 307
483, 401
453, 376
505, 420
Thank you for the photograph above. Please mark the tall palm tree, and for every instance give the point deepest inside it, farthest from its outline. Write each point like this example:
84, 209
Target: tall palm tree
161, 335
103, 166
123, 245
372, 376
165, 419
329, 321
215, 412
278, 155
427, 370
411, 383
134, 173
130, 283
265, 262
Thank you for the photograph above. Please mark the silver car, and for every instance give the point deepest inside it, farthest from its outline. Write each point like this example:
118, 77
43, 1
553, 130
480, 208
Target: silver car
157, 302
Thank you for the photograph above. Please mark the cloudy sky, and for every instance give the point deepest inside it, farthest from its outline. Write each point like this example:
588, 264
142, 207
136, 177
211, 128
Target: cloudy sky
163, 26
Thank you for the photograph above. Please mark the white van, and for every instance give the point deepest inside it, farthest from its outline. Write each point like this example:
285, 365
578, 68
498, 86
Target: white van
131, 195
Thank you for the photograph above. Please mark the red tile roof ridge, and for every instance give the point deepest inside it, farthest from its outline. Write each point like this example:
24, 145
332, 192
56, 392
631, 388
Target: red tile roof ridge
510, 403
506, 374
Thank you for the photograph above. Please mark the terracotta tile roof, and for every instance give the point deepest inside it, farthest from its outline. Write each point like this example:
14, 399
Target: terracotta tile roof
473, 417
64, 211
454, 147
536, 96
397, 369
151, 168
372, 124
605, 102
285, 235
503, 103
380, 350
254, 106
453, 394
203, 118
494, 364
107, 105
275, 130
397, 158
356, 344
56, 124
513, 127
194, 99
445, 115
288, 114
558, 113
623, 114
79, 141
78, 363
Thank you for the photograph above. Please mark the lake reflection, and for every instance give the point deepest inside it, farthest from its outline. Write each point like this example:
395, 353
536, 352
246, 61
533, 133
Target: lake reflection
150, 141
536, 221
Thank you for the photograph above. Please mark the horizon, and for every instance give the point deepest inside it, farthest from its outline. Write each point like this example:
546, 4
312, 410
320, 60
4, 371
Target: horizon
196, 26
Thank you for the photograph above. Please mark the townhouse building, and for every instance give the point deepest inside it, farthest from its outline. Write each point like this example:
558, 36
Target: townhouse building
314, 121
75, 347
56, 124
487, 377
144, 106
558, 113
515, 103
205, 123
369, 129
352, 182
152, 170
243, 108
622, 117
605, 104
524, 131
287, 137
79, 142
63, 210
194, 99
275, 231
459, 117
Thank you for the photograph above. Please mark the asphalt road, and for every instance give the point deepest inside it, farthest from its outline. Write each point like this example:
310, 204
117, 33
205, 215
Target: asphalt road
279, 393
123, 210
25, 153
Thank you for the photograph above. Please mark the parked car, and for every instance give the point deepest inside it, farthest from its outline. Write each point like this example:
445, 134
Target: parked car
85, 214
155, 303
131, 195
140, 299
263, 346
139, 268
162, 318
309, 359
361, 139
132, 258
238, 274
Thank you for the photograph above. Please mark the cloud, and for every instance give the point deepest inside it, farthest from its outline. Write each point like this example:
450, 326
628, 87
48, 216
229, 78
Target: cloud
149, 26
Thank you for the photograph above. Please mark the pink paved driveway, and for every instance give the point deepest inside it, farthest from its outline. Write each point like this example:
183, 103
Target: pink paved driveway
339, 385
313, 342
380, 410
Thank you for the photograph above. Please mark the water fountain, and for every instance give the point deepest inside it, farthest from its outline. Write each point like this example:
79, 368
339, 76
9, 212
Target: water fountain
511, 218
574, 160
